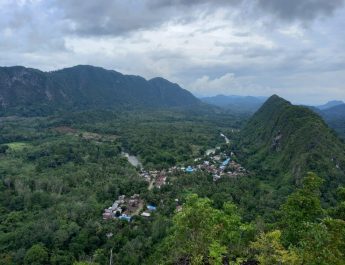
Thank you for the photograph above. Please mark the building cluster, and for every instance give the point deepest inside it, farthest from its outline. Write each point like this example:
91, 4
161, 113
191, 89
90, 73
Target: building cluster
157, 178
124, 208
219, 165
215, 162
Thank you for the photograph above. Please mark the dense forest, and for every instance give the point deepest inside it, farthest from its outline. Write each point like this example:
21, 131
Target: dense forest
58, 173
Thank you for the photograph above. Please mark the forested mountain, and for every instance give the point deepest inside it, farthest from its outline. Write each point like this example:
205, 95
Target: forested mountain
237, 104
286, 141
82, 87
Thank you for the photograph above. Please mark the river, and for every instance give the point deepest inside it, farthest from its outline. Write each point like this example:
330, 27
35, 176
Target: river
213, 150
210, 151
225, 138
133, 160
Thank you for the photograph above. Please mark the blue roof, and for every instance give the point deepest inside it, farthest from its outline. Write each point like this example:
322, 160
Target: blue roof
151, 207
189, 169
125, 217
226, 162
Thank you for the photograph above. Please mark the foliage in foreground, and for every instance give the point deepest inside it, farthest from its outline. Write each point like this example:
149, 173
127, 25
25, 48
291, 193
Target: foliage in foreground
305, 234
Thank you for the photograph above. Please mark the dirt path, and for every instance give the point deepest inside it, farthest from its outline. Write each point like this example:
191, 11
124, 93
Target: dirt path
151, 184
139, 209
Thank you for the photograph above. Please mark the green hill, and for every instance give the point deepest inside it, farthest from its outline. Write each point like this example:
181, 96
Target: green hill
282, 142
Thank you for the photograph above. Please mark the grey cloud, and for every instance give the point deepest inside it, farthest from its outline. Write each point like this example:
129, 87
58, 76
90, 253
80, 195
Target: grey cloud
300, 9
304, 10
179, 3
117, 17
105, 17
28, 27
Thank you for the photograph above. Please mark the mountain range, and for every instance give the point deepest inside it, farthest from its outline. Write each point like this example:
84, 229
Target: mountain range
26, 89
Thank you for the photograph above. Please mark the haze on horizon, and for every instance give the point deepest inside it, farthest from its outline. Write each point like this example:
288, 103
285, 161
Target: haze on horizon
261, 47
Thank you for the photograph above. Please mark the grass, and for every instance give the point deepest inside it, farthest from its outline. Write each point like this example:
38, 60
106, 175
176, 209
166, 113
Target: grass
18, 146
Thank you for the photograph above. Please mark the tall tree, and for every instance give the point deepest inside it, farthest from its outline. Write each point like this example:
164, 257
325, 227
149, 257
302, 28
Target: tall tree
301, 207
201, 233
36, 255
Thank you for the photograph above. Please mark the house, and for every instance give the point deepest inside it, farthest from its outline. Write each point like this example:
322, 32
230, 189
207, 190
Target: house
133, 202
125, 217
146, 214
226, 162
151, 207
160, 181
216, 158
121, 199
107, 215
114, 206
216, 177
189, 169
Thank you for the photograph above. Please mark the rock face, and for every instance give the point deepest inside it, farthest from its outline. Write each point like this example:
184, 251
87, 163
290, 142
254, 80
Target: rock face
83, 87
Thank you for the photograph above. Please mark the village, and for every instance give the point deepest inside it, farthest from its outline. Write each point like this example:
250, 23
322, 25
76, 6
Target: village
215, 162
124, 208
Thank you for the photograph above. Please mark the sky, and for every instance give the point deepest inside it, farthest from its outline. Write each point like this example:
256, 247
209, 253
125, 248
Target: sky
293, 48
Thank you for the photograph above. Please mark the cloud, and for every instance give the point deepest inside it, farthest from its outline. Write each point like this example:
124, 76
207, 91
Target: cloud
228, 84
103, 17
283, 9
118, 17
304, 10
221, 85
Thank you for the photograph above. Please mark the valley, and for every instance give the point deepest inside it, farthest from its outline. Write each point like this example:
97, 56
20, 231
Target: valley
103, 182
69, 169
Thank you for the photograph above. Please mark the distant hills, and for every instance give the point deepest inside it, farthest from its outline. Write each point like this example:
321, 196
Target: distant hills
335, 117
29, 90
236, 104
284, 142
336, 112
333, 113
330, 104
